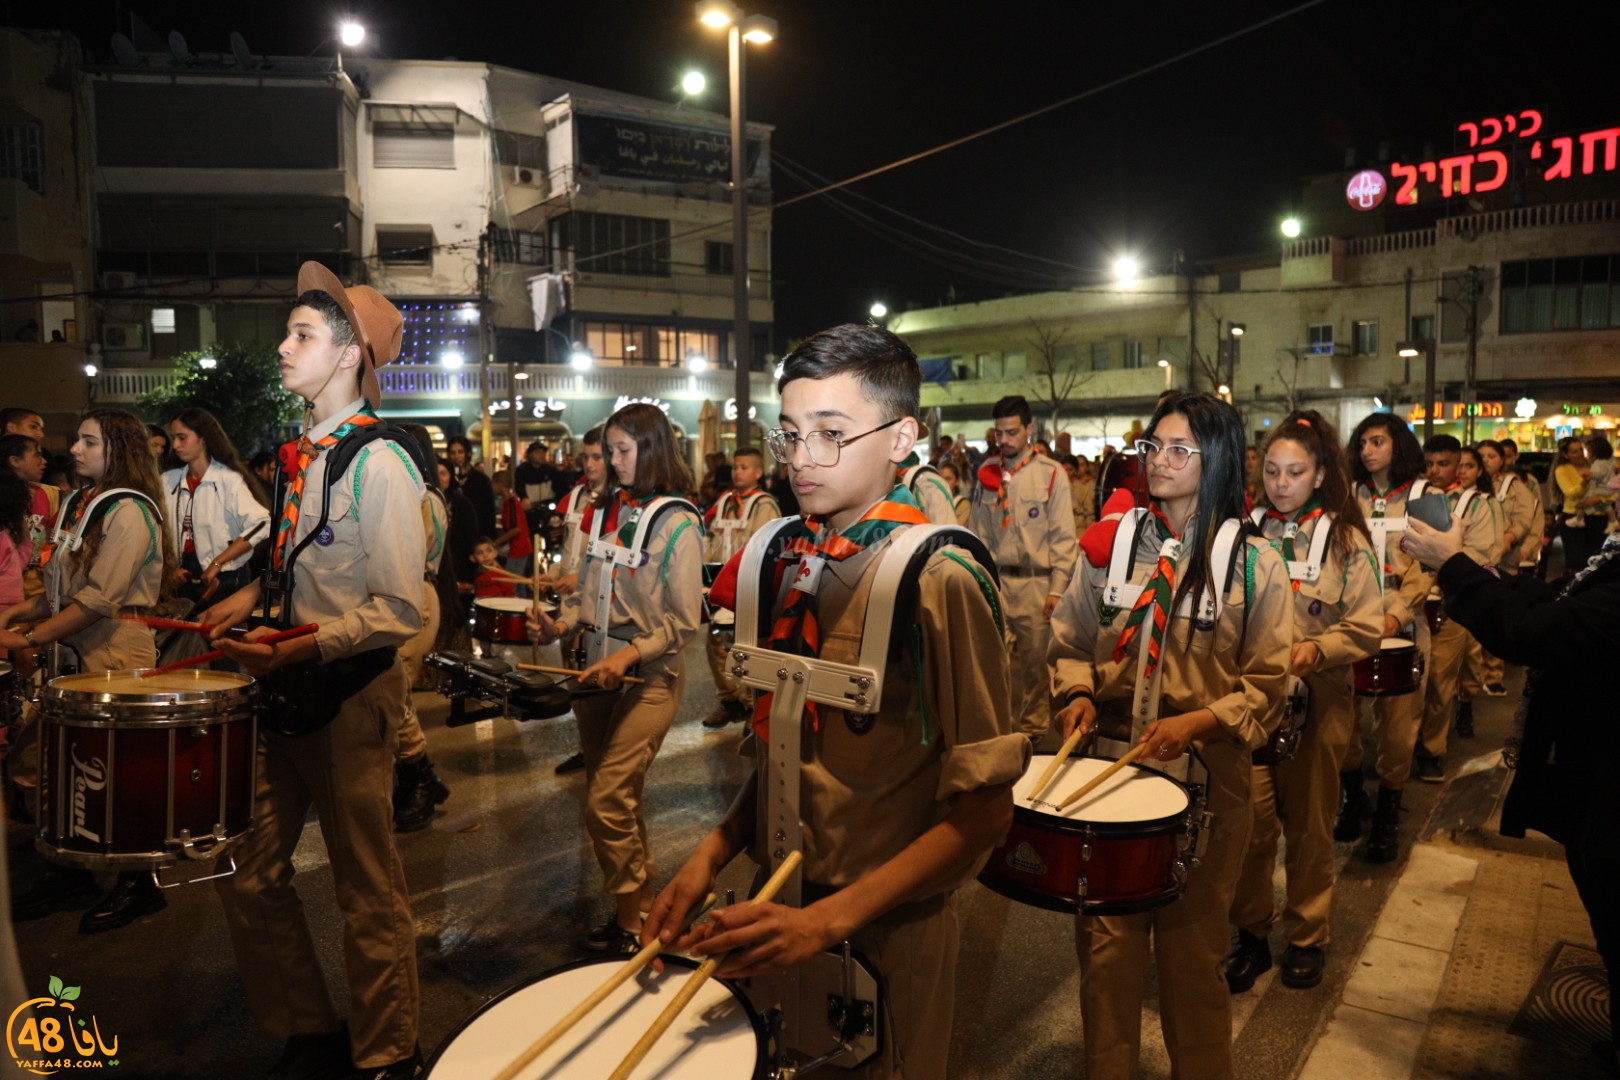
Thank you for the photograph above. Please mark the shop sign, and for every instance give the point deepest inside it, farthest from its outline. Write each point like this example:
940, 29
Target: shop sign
1582, 410
1366, 190
1496, 145
626, 399
1458, 411
730, 410
544, 409
1525, 409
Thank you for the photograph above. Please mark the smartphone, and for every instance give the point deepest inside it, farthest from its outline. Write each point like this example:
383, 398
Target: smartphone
1433, 510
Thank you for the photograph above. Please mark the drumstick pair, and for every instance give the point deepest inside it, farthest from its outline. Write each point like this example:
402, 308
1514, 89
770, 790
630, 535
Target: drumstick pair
210, 657
1096, 781
571, 671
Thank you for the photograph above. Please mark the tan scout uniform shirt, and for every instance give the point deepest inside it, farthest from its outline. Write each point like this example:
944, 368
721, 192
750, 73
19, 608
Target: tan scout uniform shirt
1521, 509
1039, 537
1341, 611
1406, 583
363, 585
127, 573
870, 783
654, 608
435, 528
933, 494
1238, 670
720, 545
1481, 525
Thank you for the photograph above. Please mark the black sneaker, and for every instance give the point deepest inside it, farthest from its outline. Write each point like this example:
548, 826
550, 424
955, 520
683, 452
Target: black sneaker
1429, 769
610, 937
134, 896
1301, 967
573, 763
1495, 689
1249, 959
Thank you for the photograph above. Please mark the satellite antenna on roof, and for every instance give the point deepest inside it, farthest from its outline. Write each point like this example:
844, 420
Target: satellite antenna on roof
123, 51
177, 47
239, 49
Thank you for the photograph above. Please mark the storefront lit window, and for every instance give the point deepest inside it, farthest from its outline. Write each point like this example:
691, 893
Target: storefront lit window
651, 346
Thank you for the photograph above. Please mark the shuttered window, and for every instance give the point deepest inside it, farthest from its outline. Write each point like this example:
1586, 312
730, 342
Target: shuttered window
413, 146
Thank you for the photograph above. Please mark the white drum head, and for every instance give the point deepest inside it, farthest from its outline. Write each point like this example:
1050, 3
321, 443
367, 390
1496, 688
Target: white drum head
1133, 794
510, 605
1391, 643
712, 1039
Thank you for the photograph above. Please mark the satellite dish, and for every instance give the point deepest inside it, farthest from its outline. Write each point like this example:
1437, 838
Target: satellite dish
177, 47
123, 51
239, 49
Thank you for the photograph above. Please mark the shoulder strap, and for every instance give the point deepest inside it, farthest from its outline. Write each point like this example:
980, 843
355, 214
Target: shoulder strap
894, 594
1465, 499
339, 457
95, 512
1419, 486
1507, 483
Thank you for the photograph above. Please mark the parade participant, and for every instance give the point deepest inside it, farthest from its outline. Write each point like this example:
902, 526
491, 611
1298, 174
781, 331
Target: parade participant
959, 502
119, 568
899, 807
215, 507
653, 608
1310, 512
360, 578
573, 506
1023, 512
928, 488
21, 421
728, 526
1215, 658
1474, 513
25, 458
417, 787
1386, 462
1523, 525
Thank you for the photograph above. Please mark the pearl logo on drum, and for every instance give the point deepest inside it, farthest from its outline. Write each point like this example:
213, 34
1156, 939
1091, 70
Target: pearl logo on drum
85, 777
1025, 860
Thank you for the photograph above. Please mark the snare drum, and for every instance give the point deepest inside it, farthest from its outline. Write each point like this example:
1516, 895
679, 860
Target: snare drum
1118, 850
501, 618
1397, 668
718, 1036
138, 773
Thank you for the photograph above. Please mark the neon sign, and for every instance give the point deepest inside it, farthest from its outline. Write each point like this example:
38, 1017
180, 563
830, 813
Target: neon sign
1488, 169
1366, 189
626, 399
1458, 410
544, 409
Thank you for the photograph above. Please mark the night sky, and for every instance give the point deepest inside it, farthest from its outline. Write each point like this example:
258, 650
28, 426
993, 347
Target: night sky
1203, 156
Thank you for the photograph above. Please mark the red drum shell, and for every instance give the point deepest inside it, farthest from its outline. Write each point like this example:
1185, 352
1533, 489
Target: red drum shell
1396, 669
501, 618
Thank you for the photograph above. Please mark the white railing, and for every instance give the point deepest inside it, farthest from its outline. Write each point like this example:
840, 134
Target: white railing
1389, 242
1309, 246
1531, 217
116, 384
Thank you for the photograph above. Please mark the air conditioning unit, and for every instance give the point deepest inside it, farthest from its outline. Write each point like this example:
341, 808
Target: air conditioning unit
119, 279
124, 336
525, 176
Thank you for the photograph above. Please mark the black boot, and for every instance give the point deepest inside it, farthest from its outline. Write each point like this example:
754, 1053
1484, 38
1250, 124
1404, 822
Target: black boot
1383, 844
1353, 806
59, 888
1249, 959
134, 895
417, 790
1463, 725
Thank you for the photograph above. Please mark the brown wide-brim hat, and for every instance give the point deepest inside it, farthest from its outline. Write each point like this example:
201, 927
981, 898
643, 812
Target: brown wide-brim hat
378, 325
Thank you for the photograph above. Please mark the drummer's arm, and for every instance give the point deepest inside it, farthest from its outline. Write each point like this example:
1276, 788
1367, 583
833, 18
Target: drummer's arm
1253, 709
1359, 629
1406, 601
35, 607
696, 878
65, 623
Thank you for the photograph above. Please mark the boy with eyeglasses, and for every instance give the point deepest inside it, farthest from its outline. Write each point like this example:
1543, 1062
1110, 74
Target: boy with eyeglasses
899, 807
1023, 511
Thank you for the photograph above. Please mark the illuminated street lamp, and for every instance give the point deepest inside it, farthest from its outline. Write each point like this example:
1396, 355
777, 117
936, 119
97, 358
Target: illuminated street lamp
697, 364
756, 30
693, 83
1425, 349
451, 360
1126, 268
878, 311
1169, 374
351, 34
580, 359
1291, 227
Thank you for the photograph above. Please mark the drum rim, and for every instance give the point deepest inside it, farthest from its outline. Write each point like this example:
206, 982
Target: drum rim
755, 1021
1132, 830
1025, 894
108, 715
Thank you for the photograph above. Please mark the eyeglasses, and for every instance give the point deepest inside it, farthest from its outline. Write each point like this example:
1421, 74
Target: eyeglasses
824, 447
1176, 456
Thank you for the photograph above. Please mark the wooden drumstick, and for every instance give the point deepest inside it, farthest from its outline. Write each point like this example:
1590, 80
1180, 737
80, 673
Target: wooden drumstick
628, 970
695, 981
1062, 755
1091, 785
571, 671
210, 657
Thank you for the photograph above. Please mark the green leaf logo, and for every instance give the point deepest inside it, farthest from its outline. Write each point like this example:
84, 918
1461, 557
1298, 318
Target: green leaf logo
70, 993
56, 987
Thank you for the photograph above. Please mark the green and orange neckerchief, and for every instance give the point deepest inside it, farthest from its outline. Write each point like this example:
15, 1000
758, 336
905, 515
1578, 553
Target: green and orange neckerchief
796, 630
307, 452
1153, 605
1292, 524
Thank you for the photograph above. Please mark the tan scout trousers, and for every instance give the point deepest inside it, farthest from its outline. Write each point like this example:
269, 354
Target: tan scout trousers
346, 770
1446, 657
1024, 603
717, 644
1480, 670
1190, 938
620, 735
412, 743
1298, 801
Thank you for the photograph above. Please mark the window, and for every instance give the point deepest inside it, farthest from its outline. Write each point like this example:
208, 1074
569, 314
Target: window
405, 245
981, 366
612, 243
1133, 355
1099, 356
648, 345
717, 256
22, 153
1319, 338
1367, 337
1014, 363
413, 145
163, 320
1230, 283
1423, 328
517, 246
1578, 293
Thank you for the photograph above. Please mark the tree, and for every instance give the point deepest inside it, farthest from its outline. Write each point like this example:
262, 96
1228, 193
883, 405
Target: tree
242, 389
1063, 376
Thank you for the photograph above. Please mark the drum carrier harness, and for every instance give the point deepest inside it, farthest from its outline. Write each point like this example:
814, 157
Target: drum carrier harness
593, 641
71, 538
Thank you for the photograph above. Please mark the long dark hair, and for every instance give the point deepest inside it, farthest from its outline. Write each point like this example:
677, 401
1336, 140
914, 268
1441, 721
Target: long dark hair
1219, 431
1406, 463
16, 498
127, 463
658, 464
1484, 482
219, 448
1317, 436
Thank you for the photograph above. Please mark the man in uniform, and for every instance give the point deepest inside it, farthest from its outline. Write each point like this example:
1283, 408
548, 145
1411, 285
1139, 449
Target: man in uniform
731, 522
1023, 512
361, 581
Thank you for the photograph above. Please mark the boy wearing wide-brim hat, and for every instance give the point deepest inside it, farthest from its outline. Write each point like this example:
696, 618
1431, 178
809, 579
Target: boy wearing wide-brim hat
360, 579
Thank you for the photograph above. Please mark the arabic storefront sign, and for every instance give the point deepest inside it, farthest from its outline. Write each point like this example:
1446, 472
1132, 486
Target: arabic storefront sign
626, 399
544, 409
1456, 410
1497, 147
639, 150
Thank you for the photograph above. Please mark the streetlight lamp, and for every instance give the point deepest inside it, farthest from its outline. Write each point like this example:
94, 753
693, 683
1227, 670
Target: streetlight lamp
757, 30
693, 83
350, 35
1425, 348
879, 311
1234, 334
1126, 268
1291, 227
1169, 374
